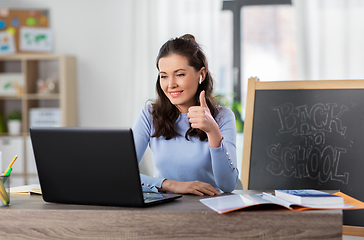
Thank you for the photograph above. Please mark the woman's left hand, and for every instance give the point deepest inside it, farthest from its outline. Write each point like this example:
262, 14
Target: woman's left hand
200, 117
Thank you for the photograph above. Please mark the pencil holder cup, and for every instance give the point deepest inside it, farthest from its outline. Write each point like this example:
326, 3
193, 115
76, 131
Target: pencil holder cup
4, 190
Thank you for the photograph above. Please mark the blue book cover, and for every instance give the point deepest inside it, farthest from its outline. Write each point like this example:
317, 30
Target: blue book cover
308, 196
308, 193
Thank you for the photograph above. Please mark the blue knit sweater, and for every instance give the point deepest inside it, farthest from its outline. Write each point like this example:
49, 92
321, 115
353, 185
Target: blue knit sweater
182, 160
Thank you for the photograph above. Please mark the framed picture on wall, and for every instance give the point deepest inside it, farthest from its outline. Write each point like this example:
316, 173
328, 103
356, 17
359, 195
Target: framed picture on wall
11, 83
7, 43
35, 39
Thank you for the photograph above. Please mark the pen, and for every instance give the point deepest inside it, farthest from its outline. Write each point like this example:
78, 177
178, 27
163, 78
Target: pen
3, 199
6, 174
11, 164
3, 194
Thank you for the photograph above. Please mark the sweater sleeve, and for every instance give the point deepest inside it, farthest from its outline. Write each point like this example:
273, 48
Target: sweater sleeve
224, 162
142, 130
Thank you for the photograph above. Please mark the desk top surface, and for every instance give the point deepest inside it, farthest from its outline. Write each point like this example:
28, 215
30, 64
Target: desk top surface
35, 202
187, 203
184, 218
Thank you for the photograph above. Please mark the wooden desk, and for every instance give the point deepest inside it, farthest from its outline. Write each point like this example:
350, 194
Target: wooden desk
185, 218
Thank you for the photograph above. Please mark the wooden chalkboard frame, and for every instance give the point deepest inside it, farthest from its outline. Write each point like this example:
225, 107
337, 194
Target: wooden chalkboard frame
255, 84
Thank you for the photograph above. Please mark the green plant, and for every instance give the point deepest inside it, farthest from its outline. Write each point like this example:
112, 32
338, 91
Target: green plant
2, 124
236, 108
14, 115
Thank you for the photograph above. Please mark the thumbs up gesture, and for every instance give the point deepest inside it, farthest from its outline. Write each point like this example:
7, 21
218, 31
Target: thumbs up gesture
200, 116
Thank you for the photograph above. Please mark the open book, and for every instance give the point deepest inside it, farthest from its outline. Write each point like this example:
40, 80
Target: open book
229, 203
27, 189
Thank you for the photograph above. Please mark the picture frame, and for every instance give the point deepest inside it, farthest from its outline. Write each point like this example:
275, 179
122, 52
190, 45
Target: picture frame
7, 43
11, 84
36, 39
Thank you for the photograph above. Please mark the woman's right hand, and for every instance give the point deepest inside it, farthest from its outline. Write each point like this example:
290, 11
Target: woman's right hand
193, 187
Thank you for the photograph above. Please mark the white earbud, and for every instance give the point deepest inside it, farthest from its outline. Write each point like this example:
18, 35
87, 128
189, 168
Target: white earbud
200, 79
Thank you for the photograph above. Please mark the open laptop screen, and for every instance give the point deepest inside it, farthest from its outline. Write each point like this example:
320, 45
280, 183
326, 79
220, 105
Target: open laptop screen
87, 166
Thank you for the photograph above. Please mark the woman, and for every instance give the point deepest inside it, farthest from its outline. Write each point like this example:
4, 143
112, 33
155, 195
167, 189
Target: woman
192, 139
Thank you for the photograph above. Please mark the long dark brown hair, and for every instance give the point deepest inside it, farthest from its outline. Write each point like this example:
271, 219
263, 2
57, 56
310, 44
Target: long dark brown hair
163, 111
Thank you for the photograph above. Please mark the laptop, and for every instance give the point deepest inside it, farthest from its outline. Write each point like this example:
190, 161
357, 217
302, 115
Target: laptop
93, 166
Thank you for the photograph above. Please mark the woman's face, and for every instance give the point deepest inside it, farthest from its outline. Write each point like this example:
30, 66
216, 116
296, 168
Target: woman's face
179, 81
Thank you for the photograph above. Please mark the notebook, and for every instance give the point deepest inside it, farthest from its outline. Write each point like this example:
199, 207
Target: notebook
94, 166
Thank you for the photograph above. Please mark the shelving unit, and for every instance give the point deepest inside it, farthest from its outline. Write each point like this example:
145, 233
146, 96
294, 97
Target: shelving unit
34, 67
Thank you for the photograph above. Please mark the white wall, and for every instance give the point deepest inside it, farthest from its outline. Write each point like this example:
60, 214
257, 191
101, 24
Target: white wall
98, 34
329, 38
116, 43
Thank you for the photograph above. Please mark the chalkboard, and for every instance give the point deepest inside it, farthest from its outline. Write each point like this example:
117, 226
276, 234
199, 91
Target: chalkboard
306, 134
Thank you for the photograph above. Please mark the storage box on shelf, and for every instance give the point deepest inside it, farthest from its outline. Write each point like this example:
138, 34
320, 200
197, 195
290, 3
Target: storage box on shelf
32, 83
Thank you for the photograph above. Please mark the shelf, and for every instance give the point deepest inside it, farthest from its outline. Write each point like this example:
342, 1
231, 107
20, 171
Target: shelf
8, 97
42, 96
11, 135
30, 56
34, 96
34, 67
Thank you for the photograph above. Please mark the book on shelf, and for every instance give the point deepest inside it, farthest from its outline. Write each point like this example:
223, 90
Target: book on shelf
233, 202
309, 196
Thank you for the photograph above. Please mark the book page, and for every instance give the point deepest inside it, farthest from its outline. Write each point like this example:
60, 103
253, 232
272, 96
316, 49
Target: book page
26, 189
271, 198
224, 204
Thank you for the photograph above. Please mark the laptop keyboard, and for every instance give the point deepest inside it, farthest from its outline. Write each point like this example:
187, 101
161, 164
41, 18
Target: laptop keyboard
150, 197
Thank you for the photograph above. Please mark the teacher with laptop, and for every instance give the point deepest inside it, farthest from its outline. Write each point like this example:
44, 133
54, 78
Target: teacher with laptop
191, 137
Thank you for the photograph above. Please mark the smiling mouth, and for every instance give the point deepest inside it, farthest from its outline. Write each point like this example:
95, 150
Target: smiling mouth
175, 94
